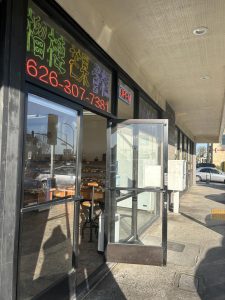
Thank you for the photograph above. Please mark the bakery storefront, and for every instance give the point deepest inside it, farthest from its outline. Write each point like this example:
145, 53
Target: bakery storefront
94, 155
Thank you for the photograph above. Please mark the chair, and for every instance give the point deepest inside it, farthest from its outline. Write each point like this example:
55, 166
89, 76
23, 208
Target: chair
90, 221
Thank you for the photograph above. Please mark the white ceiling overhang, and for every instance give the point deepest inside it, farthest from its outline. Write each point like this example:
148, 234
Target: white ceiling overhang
153, 41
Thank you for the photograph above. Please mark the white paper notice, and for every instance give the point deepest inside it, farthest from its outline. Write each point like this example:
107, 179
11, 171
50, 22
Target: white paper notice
153, 176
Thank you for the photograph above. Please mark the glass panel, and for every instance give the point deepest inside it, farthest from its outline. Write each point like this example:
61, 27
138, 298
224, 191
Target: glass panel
137, 163
176, 146
181, 147
146, 111
50, 152
93, 175
149, 211
185, 148
46, 248
122, 153
149, 141
123, 220
125, 101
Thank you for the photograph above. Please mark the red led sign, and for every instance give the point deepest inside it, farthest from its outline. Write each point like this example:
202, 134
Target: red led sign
51, 78
125, 93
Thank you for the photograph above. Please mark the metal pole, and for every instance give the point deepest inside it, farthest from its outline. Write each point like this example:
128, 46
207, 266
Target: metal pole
134, 225
164, 228
92, 202
134, 219
72, 134
52, 161
165, 193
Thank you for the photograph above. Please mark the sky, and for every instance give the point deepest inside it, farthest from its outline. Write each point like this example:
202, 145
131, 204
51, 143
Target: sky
198, 145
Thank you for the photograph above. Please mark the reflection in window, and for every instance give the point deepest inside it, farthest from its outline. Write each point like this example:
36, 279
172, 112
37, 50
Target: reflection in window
46, 248
50, 151
146, 111
185, 148
181, 145
124, 155
176, 145
150, 137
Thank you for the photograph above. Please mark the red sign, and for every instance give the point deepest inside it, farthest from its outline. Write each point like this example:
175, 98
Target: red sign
49, 77
125, 93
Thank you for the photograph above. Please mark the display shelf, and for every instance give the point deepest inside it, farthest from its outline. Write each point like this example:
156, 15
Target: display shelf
94, 171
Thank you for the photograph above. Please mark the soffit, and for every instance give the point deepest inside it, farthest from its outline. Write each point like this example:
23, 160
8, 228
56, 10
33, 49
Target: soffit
153, 41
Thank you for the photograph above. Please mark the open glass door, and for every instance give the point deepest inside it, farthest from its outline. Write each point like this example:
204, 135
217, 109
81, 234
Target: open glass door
137, 192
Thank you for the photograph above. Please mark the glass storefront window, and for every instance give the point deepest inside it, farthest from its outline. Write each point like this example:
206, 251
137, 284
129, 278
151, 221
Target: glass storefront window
181, 146
188, 149
46, 239
46, 248
50, 152
185, 148
176, 146
146, 111
125, 109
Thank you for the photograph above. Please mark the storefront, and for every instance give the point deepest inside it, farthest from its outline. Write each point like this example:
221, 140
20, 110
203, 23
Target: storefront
94, 155
184, 150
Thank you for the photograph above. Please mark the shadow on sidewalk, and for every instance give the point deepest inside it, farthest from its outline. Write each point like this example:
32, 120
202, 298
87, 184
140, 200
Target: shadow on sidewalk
107, 289
213, 185
211, 269
220, 198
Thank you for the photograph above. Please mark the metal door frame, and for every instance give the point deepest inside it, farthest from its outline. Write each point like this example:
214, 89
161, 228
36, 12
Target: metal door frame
31, 89
130, 253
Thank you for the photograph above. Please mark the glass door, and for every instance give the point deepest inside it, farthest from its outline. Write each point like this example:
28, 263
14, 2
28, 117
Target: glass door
50, 194
137, 192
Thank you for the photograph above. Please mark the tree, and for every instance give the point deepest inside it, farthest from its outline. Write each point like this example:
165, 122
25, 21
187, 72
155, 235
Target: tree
201, 153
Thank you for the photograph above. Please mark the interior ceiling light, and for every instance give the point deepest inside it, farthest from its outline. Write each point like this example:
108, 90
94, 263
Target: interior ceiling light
205, 77
200, 30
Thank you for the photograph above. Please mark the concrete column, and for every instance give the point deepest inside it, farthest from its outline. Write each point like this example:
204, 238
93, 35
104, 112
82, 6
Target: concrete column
194, 169
12, 79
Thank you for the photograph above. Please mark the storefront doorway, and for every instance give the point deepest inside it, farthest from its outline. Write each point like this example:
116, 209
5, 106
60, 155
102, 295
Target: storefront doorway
63, 196
93, 177
85, 180
73, 178
50, 191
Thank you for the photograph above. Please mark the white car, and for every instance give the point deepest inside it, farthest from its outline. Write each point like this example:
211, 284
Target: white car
64, 176
210, 174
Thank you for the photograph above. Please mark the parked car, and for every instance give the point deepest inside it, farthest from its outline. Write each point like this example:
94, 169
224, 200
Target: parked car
210, 174
64, 176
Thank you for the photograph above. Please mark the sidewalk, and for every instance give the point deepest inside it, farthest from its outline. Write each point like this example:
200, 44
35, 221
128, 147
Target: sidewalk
196, 256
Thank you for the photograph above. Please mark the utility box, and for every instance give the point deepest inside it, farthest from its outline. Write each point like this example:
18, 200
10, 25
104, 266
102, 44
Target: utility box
176, 175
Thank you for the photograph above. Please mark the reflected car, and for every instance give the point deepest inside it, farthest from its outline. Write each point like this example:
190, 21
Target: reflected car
210, 174
31, 184
30, 179
63, 175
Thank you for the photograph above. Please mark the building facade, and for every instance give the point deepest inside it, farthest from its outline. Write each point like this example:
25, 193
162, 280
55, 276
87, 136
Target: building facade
60, 96
218, 154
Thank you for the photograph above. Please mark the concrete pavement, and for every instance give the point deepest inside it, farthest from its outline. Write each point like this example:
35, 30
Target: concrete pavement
196, 256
